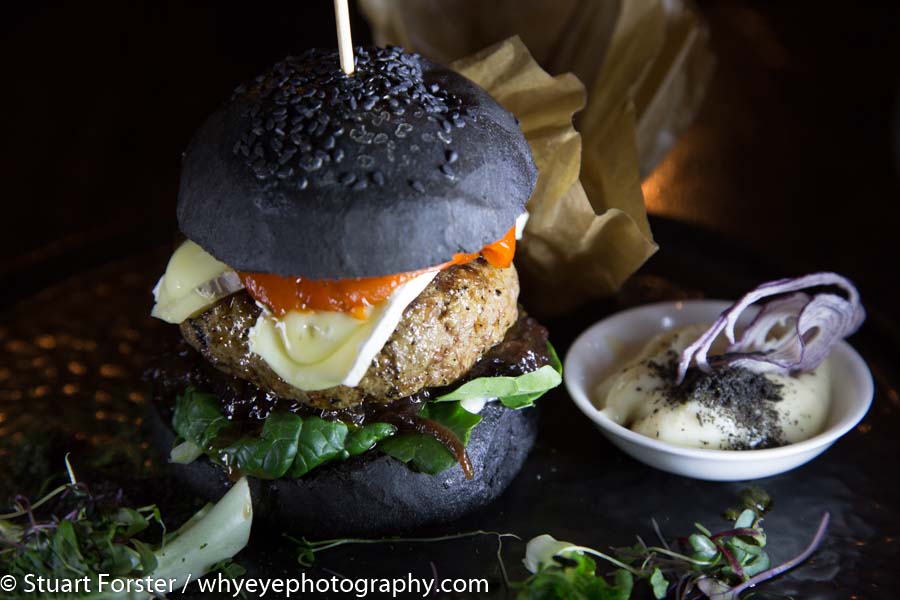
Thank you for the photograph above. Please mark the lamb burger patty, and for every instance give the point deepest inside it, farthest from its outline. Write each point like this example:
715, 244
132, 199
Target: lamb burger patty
462, 313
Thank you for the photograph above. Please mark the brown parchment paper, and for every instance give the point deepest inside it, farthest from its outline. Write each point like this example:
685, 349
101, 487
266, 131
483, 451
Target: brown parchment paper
644, 64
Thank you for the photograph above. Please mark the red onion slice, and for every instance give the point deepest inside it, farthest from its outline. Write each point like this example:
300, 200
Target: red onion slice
224, 285
789, 334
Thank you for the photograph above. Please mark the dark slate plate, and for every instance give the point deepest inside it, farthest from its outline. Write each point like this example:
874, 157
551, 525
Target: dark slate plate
71, 355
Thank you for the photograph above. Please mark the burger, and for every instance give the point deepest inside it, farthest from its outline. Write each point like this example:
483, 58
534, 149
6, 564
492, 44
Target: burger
350, 333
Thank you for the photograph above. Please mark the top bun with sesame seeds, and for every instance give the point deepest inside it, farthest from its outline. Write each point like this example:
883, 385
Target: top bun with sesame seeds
397, 167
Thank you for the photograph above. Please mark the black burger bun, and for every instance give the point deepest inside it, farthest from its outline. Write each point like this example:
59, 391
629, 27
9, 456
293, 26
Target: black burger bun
372, 494
308, 171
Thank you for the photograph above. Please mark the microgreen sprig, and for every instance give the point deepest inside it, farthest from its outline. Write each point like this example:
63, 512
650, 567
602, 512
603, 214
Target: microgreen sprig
81, 533
306, 549
87, 533
717, 565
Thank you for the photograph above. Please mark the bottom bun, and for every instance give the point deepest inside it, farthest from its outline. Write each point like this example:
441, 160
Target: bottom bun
373, 494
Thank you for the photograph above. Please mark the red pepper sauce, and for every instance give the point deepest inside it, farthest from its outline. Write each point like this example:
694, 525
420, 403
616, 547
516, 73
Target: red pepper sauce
355, 295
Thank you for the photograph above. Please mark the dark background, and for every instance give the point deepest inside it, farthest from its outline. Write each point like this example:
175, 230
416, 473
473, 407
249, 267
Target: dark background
794, 153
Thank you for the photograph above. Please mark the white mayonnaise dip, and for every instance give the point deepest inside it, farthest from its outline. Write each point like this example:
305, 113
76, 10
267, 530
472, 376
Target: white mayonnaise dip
640, 396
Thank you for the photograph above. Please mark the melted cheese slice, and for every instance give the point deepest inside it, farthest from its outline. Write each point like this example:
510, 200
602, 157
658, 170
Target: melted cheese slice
311, 350
314, 350
179, 294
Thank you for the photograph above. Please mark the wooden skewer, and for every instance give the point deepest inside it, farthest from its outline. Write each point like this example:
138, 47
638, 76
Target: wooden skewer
345, 41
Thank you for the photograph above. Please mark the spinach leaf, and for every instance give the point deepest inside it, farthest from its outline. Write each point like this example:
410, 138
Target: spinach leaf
323, 441
425, 453
320, 441
270, 455
513, 392
364, 438
288, 445
198, 417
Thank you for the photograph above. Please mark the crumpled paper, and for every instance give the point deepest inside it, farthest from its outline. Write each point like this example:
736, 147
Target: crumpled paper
645, 65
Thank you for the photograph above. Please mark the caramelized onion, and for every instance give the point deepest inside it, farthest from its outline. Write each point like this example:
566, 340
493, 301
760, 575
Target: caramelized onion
442, 434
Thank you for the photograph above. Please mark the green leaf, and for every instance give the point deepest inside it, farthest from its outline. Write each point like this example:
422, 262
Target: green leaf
759, 564
753, 498
132, 521
703, 547
745, 520
736, 543
574, 578
513, 392
66, 550
120, 560
198, 417
148, 560
737, 553
423, 452
288, 444
270, 455
185, 453
320, 441
624, 583
537, 381
659, 584
364, 438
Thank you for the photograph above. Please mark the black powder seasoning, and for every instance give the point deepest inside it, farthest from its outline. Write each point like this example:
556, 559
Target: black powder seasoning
737, 394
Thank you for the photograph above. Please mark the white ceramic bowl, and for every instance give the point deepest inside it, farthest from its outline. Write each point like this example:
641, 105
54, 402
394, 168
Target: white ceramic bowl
597, 353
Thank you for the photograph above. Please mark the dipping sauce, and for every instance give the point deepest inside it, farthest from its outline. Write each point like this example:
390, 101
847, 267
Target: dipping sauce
729, 409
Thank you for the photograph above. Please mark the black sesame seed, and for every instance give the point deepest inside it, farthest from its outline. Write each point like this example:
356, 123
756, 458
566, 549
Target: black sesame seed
287, 155
416, 185
346, 178
452, 156
300, 107
369, 102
